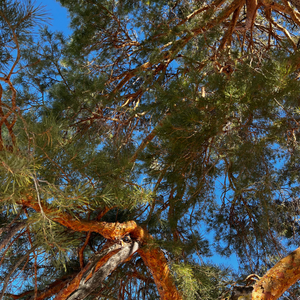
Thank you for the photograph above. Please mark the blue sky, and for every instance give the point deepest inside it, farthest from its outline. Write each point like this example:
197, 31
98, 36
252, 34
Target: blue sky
60, 22
58, 14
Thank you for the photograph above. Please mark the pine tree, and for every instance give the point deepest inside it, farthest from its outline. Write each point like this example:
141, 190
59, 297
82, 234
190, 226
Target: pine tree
122, 144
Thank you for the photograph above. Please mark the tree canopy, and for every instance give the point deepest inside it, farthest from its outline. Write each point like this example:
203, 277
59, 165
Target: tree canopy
126, 146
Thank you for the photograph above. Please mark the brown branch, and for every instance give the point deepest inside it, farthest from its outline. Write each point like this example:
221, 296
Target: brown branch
144, 143
103, 212
87, 272
131, 43
94, 264
178, 45
1, 115
52, 289
35, 259
15, 39
287, 34
10, 225
129, 74
155, 260
147, 140
221, 17
96, 274
4, 118
251, 13
80, 252
213, 5
13, 269
56, 164
279, 278
229, 31
11, 232
153, 257
107, 230
286, 9
295, 15
20, 295
8, 247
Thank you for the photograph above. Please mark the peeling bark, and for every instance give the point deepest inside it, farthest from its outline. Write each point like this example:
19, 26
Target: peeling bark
155, 260
86, 286
97, 261
153, 257
111, 231
279, 278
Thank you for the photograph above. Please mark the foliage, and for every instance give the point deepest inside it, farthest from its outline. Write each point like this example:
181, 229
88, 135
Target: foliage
182, 116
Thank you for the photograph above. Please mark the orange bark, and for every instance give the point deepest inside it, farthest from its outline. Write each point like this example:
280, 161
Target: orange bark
230, 30
107, 230
279, 278
155, 260
53, 288
153, 257
19, 296
51, 291
80, 252
74, 284
251, 13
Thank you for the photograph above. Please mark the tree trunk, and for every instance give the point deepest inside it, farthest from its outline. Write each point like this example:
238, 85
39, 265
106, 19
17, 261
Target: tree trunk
153, 257
94, 275
279, 278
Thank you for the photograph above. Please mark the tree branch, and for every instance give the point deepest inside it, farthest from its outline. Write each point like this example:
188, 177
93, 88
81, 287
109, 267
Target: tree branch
11, 231
14, 268
86, 286
279, 278
153, 257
